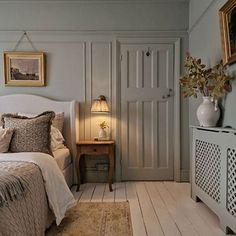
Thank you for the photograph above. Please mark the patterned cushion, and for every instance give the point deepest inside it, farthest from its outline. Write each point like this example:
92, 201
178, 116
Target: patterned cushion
57, 122
30, 134
1, 118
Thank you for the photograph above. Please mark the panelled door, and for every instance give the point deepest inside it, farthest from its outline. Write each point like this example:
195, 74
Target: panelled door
147, 111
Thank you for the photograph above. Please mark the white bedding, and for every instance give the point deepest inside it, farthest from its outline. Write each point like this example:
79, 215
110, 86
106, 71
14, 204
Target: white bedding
59, 195
62, 157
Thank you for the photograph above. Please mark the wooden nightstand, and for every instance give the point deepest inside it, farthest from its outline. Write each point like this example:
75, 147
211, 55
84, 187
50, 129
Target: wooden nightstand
96, 148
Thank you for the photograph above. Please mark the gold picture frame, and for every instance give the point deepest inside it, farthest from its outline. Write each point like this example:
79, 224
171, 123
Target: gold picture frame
227, 16
24, 68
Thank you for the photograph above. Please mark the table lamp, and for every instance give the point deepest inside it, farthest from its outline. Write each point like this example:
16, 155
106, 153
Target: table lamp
100, 105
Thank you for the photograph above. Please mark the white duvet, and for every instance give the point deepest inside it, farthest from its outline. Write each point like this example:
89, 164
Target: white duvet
59, 195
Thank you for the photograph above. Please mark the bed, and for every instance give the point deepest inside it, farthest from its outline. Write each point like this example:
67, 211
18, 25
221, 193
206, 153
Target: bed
31, 215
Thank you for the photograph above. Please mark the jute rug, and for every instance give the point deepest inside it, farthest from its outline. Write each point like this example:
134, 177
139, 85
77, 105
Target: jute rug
95, 219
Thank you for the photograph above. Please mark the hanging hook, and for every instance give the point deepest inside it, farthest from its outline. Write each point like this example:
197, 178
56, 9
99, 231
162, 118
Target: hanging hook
148, 53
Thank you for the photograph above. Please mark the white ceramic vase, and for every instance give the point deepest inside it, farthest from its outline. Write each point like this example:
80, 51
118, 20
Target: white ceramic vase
102, 133
208, 113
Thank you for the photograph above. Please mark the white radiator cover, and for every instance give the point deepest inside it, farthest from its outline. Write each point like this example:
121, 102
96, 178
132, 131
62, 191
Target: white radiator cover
214, 172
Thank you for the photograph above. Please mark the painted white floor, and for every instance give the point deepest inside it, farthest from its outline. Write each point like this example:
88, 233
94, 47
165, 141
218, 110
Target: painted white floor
157, 208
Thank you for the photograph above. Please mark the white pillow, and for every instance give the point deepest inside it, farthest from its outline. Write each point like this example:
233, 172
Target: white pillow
57, 140
5, 139
57, 121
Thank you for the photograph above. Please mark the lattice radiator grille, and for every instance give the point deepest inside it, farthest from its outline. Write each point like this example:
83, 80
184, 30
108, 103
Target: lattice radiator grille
231, 181
207, 168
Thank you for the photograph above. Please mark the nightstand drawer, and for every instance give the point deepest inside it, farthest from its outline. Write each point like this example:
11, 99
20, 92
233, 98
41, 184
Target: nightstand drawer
95, 149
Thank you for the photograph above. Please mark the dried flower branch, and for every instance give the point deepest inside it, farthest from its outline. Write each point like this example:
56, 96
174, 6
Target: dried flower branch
212, 82
104, 125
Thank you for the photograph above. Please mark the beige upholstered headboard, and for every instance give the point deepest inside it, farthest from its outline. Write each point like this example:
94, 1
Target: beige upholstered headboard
26, 103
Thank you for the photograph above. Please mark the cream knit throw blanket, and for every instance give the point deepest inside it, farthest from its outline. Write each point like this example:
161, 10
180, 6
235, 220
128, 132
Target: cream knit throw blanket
11, 187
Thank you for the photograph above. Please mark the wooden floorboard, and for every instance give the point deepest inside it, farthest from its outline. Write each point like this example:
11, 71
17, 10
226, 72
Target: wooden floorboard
157, 208
183, 223
168, 225
77, 195
108, 196
88, 192
98, 192
139, 228
151, 220
186, 204
208, 217
120, 192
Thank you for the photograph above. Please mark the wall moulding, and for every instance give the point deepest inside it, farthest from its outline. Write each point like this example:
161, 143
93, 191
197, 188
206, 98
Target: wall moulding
97, 1
70, 36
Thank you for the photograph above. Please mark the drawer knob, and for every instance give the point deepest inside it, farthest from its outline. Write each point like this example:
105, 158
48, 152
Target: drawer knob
94, 149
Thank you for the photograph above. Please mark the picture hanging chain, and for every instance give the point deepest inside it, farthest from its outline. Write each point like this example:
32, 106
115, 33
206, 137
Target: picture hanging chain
20, 40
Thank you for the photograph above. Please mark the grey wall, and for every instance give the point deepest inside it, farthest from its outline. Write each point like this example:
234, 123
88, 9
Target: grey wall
80, 39
205, 42
94, 15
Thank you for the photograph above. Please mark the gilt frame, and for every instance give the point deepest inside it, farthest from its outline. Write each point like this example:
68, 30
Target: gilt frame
227, 16
24, 68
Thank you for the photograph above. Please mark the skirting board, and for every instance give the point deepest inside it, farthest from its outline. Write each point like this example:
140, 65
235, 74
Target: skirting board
184, 176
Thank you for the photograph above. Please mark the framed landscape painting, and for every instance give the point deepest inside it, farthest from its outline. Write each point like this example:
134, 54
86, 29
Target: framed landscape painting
228, 31
24, 68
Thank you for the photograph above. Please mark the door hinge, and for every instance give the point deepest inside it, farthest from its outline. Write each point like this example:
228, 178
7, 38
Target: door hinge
121, 57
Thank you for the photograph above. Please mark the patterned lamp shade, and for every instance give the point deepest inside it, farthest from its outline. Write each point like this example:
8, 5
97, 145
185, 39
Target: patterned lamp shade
100, 104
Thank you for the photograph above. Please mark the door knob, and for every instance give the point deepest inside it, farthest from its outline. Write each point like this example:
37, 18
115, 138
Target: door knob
167, 95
